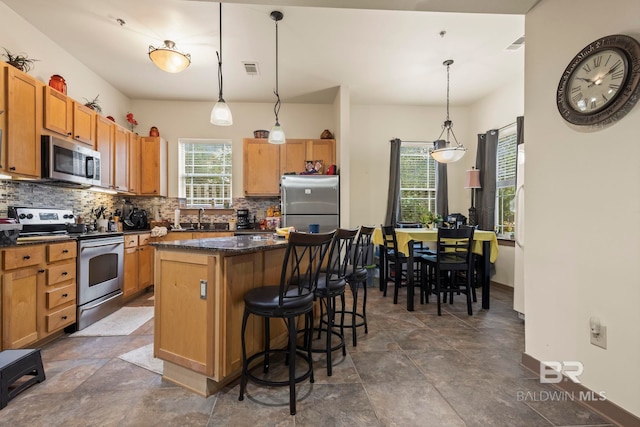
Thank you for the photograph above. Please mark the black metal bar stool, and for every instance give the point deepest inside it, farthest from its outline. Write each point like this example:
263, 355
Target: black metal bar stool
331, 284
291, 298
356, 277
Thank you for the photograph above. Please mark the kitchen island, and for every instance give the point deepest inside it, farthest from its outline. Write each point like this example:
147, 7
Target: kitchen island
199, 289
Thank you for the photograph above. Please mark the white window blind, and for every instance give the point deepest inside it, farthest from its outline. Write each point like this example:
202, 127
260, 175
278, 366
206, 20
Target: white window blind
417, 181
506, 161
205, 172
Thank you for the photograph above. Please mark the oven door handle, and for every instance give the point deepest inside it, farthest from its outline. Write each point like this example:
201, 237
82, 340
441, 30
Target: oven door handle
102, 243
91, 307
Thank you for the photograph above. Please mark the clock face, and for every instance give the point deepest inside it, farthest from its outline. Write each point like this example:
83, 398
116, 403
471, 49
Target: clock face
594, 84
601, 84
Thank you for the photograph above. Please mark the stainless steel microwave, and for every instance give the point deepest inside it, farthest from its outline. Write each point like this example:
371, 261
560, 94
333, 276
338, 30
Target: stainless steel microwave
68, 163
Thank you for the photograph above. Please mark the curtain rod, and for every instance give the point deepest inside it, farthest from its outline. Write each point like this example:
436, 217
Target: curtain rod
414, 142
506, 126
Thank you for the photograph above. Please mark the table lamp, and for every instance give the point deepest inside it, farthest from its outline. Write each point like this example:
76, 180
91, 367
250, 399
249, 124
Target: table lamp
473, 182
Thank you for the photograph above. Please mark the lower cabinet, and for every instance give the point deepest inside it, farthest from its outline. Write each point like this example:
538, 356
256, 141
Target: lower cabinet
38, 292
138, 263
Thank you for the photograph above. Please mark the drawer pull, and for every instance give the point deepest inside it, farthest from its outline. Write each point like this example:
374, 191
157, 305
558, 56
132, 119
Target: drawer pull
65, 251
40, 271
64, 317
65, 295
64, 273
26, 257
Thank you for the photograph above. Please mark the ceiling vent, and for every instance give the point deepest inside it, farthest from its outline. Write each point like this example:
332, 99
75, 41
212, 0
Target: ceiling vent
251, 68
516, 44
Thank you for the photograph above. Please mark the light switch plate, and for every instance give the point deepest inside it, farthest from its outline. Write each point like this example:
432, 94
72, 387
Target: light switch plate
600, 340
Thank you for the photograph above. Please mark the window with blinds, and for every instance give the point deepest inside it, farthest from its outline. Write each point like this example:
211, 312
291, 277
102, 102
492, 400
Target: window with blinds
506, 161
417, 182
205, 172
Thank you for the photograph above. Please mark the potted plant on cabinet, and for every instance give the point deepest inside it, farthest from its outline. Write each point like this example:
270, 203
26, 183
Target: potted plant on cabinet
93, 104
21, 61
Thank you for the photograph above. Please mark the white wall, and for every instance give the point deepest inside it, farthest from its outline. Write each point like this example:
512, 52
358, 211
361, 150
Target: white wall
372, 127
573, 181
18, 36
191, 120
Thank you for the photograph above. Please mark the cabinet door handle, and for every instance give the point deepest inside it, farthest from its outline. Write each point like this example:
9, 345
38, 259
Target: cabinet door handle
12, 168
69, 133
40, 271
64, 273
26, 257
65, 295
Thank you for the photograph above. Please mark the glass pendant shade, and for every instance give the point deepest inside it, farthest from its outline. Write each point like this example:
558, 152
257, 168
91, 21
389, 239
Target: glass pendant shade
168, 59
276, 135
448, 155
221, 114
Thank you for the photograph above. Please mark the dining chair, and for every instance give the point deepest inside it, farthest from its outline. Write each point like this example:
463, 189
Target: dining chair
331, 284
395, 263
291, 298
453, 256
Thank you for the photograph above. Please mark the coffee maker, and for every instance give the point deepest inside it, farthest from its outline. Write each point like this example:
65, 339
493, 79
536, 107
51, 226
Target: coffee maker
243, 219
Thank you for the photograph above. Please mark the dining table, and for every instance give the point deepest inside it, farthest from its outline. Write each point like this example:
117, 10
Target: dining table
485, 247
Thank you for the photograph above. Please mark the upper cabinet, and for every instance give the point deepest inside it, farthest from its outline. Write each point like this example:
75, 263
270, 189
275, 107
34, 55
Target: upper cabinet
264, 163
67, 117
105, 144
20, 122
120, 159
153, 166
83, 124
134, 163
261, 168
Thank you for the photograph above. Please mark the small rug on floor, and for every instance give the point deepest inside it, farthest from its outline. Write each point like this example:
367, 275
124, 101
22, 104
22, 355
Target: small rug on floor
122, 322
143, 357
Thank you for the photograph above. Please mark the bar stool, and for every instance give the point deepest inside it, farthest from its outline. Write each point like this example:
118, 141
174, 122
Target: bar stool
357, 275
291, 298
15, 364
331, 284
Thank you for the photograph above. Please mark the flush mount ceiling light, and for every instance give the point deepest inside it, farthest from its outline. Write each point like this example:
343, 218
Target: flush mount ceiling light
168, 59
221, 114
276, 135
443, 151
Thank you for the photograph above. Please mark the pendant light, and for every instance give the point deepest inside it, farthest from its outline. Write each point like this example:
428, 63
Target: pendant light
221, 114
276, 135
443, 151
168, 58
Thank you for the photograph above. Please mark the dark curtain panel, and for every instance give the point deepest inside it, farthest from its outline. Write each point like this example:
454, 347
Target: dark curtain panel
486, 163
393, 199
520, 129
442, 187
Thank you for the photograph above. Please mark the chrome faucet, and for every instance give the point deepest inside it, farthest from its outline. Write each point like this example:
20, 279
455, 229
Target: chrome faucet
200, 217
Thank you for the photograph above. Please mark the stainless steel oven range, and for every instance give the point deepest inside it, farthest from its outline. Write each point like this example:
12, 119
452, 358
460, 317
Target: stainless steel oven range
99, 264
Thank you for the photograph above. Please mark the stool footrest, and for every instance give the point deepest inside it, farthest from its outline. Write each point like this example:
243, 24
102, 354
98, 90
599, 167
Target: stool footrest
15, 364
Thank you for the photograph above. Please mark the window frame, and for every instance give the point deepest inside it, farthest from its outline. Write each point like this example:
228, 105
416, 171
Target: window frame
431, 196
215, 202
505, 188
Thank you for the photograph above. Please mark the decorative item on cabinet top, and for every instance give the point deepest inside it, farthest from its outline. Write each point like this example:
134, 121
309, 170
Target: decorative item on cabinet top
93, 104
326, 134
154, 131
57, 82
261, 133
20, 60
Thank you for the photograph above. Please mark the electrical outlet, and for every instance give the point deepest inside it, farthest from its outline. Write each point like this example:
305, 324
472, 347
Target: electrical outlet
600, 340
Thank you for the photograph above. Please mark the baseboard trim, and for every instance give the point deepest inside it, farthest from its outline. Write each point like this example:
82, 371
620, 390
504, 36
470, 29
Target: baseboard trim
501, 286
605, 408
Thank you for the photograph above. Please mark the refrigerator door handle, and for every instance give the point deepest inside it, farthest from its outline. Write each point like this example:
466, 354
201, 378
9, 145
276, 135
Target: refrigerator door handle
519, 235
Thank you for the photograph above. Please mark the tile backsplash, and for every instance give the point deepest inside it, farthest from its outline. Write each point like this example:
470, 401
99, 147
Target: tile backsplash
23, 193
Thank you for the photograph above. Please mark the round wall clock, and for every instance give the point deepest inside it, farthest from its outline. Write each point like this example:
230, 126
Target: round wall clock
601, 84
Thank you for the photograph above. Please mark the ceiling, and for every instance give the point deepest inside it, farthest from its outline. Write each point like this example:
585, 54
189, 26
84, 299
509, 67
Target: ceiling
384, 51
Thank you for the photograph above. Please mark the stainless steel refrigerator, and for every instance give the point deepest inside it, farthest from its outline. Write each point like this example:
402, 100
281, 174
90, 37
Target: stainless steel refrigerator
310, 199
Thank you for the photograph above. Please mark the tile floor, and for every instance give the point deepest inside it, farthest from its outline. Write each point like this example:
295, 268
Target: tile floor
412, 369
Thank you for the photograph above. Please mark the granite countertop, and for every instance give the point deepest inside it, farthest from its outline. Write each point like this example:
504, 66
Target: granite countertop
230, 245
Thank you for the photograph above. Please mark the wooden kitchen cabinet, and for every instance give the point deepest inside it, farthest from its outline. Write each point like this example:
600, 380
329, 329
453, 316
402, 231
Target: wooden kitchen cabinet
58, 112
295, 152
261, 168
84, 122
138, 263
264, 163
69, 118
20, 122
121, 158
153, 166
134, 163
105, 144
22, 272
57, 294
